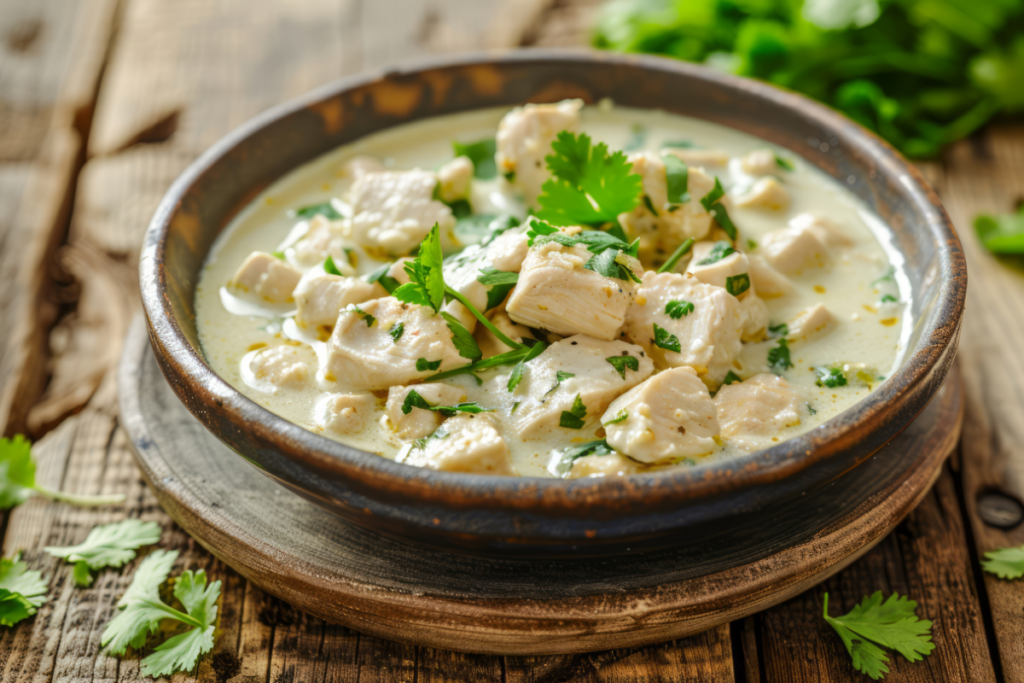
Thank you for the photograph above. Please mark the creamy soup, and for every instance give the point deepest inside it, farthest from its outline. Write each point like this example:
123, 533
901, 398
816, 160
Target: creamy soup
687, 293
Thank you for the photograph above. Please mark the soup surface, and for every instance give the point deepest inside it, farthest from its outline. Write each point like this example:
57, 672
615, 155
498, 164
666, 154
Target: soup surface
698, 295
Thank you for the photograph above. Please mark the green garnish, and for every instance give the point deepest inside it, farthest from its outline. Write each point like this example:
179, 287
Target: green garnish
811, 410
730, 378
666, 340
396, 331
737, 284
888, 299
462, 339
650, 206
712, 204
888, 276
517, 372
573, 418
751, 245
620, 416
330, 268
1006, 563
780, 330
22, 591
424, 365
439, 433
681, 251
609, 250
678, 309
621, 363
279, 255
571, 455
831, 378
784, 164
778, 357
500, 283
560, 377
677, 179
109, 545
369, 319
588, 186
481, 153
414, 400
718, 252
1001, 234
381, 276
18, 479
326, 210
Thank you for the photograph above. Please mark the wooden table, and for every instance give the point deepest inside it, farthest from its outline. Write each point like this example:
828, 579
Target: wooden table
104, 102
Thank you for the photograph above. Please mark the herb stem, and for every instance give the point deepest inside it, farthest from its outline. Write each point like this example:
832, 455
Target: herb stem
483, 321
679, 253
172, 613
81, 500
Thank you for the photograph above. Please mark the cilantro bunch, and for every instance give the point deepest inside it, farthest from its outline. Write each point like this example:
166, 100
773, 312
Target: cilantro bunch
921, 73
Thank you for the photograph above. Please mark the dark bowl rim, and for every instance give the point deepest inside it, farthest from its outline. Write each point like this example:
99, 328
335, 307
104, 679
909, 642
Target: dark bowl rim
324, 456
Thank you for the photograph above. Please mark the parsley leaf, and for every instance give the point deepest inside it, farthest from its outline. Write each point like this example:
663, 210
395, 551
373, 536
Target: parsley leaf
18, 479
573, 418
737, 284
588, 186
891, 624
731, 377
677, 179
571, 455
666, 340
461, 337
326, 210
481, 153
718, 252
678, 309
330, 268
1006, 563
517, 372
426, 280
1001, 234
396, 331
713, 205
367, 318
620, 363
109, 545
620, 416
414, 400
778, 357
380, 275
22, 591
831, 378
500, 283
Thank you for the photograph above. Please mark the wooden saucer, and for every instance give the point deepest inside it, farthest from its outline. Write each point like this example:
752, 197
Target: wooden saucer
389, 589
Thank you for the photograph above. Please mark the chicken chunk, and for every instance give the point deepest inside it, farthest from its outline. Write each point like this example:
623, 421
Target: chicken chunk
699, 157
731, 272
669, 224
577, 368
505, 253
274, 367
322, 238
346, 413
267, 277
394, 210
555, 292
419, 422
614, 465
320, 296
491, 345
790, 250
454, 179
760, 162
810, 323
464, 443
366, 356
671, 415
827, 231
766, 193
524, 138
760, 406
768, 282
707, 337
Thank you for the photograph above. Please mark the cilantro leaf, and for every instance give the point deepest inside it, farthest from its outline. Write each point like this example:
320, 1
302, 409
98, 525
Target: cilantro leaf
381, 276
22, 591
677, 179
396, 331
573, 418
18, 479
560, 377
1002, 234
666, 340
414, 400
620, 363
424, 365
778, 357
109, 545
330, 268
892, 624
426, 280
611, 263
784, 164
678, 309
182, 652
367, 318
517, 373
780, 330
141, 607
461, 337
713, 205
588, 186
831, 377
620, 416
574, 453
1006, 563
737, 284
481, 153
325, 209
718, 252
499, 282
730, 378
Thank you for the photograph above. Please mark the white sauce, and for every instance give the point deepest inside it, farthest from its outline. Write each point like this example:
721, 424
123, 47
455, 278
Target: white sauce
231, 327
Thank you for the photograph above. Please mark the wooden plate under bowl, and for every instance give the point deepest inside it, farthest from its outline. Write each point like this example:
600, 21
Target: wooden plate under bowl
347, 574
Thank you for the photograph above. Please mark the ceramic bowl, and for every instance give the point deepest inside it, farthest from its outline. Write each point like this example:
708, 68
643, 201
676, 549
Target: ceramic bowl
540, 516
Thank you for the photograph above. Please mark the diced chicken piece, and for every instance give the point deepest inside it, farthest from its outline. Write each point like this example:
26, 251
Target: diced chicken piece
464, 443
454, 179
555, 292
670, 224
768, 282
276, 366
614, 465
394, 210
671, 415
419, 422
346, 413
755, 318
320, 296
760, 162
358, 165
708, 336
699, 157
760, 406
506, 253
827, 231
766, 193
524, 138
267, 277
367, 357
732, 273
790, 250
491, 345
323, 238
595, 379
809, 323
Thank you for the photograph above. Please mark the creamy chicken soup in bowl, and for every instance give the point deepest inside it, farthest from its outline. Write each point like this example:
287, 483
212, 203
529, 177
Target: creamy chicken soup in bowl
562, 303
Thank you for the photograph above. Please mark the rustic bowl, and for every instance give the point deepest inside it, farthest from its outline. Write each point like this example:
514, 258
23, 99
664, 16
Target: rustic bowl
816, 472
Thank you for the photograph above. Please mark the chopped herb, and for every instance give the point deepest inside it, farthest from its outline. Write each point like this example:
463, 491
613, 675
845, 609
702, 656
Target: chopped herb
461, 337
1006, 563
1001, 234
888, 299
424, 365
621, 363
751, 245
778, 357
679, 144
887, 276
719, 251
612, 263
650, 206
517, 372
677, 179
396, 331
515, 407
481, 153
500, 283
831, 377
381, 276
370, 320
508, 358
730, 378
737, 284
588, 186
811, 410
620, 416
637, 138
678, 309
891, 624
330, 268
596, 241
679, 253
414, 400
559, 378
574, 453
780, 330
666, 340
22, 591
326, 210
510, 176
439, 433
784, 164
712, 204
573, 418
279, 255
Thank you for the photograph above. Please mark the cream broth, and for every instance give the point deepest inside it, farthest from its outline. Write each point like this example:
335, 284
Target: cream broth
861, 284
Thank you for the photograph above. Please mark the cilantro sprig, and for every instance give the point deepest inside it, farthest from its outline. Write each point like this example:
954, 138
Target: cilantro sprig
609, 250
873, 623
414, 400
1006, 563
18, 479
109, 545
22, 591
574, 417
574, 453
588, 186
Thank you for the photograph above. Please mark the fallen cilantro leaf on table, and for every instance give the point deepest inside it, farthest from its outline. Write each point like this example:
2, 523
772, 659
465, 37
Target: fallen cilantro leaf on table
22, 591
1001, 234
109, 545
588, 186
142, 610
18, 479
892, 624
1006, 563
